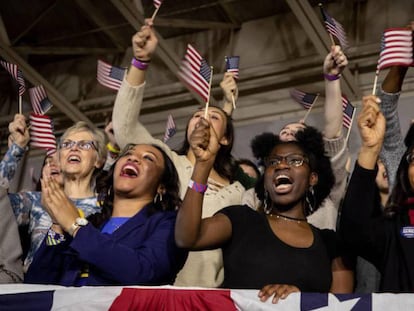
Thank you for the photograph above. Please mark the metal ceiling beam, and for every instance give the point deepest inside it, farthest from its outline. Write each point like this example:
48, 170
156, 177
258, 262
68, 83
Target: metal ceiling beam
30, 74
69, 50
93, 14
314, 29
229, 12
4, 37
192, 24
166, 54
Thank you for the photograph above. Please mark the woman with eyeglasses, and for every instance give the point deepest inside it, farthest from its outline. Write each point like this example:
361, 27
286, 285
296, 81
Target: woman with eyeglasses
130, 242
80, 155
274, 248
387, 239
334, 139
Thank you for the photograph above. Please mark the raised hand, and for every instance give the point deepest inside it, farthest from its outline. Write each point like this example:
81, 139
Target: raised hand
19, 133
371, 123
144, 42
278, 291
335, 62
229, 87
204, 142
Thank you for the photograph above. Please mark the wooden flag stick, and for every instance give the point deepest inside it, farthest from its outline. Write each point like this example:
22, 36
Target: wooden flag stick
233, 100
310, 108
350, 126
209, 90
20, 104
155, 13
332, 39
374, 87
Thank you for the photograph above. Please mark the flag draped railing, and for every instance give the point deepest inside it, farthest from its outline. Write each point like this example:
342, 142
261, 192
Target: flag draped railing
19, 297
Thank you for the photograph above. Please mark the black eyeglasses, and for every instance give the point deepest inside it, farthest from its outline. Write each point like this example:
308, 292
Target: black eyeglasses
410, 158
81, 144
293, 160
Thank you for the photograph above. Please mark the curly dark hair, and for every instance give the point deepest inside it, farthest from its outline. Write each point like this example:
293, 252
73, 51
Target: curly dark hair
402, 189
310, 140
225, 164
170, 200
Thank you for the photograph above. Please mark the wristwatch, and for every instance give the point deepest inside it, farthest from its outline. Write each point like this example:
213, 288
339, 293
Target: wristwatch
79, 222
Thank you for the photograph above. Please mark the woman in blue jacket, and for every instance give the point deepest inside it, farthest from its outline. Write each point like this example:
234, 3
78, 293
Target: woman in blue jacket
130, 242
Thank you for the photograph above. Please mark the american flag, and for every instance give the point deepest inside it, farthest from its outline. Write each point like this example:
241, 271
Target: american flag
40, 102
41, 132
170, 129
335, 28
349, 111
232, 65
396, 48
17, 75
110, 76
196, 72
303, 98
157, 3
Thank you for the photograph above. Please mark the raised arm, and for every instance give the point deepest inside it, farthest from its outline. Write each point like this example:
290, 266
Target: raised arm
18, 140
371, 123
393, 147
127, 108
191, 231
334, 141
335, 62
359, 228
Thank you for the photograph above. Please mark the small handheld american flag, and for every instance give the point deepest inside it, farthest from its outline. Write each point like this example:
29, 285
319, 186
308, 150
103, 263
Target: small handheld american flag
170, 128
396, 48
41, 132
195, 72
334, 28
110, 76
39, 100
17, 75
232, 65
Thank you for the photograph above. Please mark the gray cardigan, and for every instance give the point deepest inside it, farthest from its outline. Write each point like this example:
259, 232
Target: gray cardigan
393, 147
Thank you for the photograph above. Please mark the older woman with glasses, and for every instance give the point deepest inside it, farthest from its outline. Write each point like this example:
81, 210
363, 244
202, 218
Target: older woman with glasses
274, 248
81, 153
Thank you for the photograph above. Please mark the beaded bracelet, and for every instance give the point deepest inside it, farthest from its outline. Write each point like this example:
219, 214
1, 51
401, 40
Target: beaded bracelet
140, 64
200, 188
331, 77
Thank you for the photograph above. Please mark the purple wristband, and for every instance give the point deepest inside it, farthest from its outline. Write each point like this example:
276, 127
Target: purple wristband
139, 64
331, 77
200, 188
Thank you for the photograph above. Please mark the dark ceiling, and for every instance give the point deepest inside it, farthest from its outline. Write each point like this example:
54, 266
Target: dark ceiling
56, 43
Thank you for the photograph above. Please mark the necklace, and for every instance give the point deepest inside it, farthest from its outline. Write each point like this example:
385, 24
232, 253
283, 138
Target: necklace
280, 216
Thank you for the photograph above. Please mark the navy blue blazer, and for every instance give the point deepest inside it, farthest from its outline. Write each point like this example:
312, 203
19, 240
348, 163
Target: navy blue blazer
141, 252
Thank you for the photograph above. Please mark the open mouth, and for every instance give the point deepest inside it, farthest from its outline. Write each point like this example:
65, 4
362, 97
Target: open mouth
283, 183
54, 172
129, 170
74, 159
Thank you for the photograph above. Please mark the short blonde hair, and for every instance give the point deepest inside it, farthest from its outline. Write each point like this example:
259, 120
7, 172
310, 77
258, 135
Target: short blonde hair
99, 137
